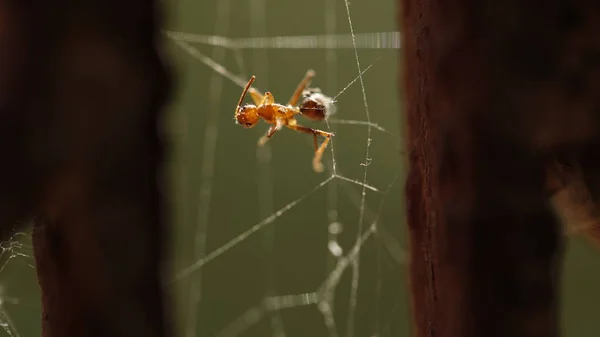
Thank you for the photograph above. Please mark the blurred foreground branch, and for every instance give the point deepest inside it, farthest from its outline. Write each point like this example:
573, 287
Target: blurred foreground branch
496, 93
81, 87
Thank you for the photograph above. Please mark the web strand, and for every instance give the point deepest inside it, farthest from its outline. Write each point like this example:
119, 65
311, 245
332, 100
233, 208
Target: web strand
272, 304
331, 61
335, 275
7, 324
211, 133
323, 298
11, 251
355, 79
376, 40
211, 63
392, 246
356, 262
235, 241
258, 22
363, 123
359, 183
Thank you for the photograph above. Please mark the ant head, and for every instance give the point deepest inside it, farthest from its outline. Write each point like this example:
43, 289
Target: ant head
247, 116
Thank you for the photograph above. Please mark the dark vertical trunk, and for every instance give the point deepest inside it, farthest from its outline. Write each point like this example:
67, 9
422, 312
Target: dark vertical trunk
493, 92
82, 85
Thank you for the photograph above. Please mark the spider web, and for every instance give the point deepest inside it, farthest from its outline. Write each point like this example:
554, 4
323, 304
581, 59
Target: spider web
17, 272
241, 272
263, 246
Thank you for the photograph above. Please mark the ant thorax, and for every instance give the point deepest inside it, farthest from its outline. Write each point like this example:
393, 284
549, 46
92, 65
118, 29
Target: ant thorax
273, 111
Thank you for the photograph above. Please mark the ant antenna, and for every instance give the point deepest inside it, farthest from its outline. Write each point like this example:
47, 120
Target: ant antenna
244, 93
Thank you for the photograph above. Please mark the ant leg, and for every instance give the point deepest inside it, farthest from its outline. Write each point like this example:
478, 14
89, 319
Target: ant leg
301, 86
263, 140
256, 95
317, 165
267, 99
270, 132
319, 150
259, 98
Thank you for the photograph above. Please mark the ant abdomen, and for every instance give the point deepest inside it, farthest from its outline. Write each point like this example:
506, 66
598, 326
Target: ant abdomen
315, 105
313, 110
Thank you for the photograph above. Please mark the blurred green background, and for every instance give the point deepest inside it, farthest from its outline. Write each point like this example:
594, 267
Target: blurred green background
262, 283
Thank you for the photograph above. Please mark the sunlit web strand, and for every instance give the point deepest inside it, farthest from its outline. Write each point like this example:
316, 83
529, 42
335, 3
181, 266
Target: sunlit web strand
364, 123
249, 318
334, 277
6, 322
356, 182
258, 27
290, 301
355, 262
393, 247
326, 290
11, 255
355, 79
331, 85
211, 63
9, 250
211, 40
235, 241
322, 297
240, 81
376, 40
211, 132
269, 304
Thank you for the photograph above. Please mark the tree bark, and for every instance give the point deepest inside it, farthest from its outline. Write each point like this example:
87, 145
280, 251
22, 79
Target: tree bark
82, 84
494, 93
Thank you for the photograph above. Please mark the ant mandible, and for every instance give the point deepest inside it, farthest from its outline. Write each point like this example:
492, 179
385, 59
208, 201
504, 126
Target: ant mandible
315, 106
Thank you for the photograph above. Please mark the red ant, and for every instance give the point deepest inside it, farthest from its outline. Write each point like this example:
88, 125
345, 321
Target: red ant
315, 106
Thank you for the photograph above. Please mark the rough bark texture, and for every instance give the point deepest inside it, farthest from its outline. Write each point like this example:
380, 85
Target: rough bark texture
81, 87
494, 93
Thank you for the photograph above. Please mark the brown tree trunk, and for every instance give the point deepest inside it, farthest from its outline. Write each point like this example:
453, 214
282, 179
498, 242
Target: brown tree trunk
81, 87
494, 91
